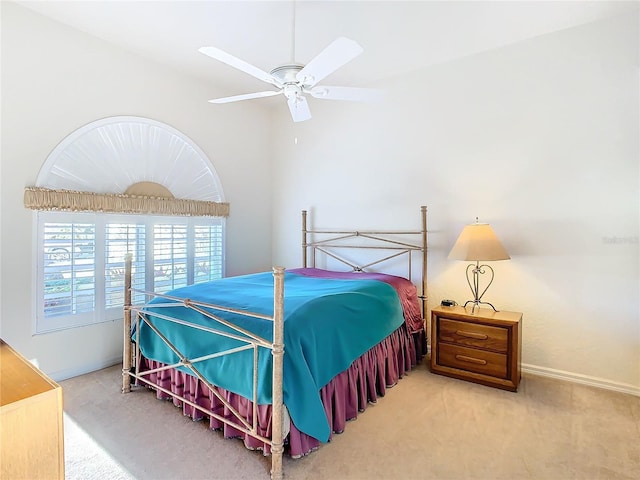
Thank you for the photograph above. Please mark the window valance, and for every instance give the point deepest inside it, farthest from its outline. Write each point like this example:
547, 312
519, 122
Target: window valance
40, 198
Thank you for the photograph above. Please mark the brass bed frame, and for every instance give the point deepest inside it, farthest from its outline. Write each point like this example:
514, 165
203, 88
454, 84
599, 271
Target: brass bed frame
326, 242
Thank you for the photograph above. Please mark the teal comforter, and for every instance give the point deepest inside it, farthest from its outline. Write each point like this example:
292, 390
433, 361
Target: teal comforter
328, 324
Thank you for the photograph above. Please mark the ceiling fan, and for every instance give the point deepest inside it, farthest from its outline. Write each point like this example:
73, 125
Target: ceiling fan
294, 81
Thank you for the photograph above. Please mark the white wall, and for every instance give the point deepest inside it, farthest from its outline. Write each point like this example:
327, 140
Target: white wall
54, 81
540, 139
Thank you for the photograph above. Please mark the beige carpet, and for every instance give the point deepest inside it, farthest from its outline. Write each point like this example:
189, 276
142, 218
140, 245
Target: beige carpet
426, 427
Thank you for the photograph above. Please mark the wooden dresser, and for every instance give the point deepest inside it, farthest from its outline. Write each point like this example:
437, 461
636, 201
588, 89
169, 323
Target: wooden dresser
482, 347
31, 428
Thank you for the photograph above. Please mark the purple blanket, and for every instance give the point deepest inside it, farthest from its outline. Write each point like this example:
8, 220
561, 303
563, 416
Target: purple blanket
406, 290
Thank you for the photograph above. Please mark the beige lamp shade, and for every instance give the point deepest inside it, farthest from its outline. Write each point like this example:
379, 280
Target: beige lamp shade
478, 242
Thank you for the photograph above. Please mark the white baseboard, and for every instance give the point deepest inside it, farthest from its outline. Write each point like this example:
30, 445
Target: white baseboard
582, 379
74, 372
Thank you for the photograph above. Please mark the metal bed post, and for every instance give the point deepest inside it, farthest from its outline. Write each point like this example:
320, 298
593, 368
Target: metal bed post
277, 442
423, 289
126, 356
304, 239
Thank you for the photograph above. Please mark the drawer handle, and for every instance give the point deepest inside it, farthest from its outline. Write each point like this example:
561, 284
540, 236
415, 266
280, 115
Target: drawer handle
464, 358
478, 336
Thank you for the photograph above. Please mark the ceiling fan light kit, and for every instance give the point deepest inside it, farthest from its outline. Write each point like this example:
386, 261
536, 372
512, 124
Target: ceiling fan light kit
295, 80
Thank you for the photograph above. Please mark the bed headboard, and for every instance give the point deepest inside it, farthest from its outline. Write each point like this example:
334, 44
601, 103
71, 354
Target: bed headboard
384, 245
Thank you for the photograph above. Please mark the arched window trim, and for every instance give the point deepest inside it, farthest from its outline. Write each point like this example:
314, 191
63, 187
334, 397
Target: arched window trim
110, 155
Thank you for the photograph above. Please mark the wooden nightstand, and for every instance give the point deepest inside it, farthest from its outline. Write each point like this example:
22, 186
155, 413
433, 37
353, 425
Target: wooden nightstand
483, 347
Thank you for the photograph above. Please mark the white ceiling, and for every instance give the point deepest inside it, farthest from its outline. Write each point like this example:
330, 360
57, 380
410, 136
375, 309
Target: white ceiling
397, 36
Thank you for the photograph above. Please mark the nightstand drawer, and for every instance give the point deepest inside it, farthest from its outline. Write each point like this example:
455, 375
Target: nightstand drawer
473, 335
473, 360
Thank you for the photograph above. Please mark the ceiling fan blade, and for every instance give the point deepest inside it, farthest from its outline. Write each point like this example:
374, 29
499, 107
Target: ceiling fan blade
347, 93
241, 65
341, 51
299, 108
246, 96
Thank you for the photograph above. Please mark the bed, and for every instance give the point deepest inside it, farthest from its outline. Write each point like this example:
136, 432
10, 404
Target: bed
286, 370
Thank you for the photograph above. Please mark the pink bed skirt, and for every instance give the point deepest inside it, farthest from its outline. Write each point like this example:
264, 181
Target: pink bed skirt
343, 397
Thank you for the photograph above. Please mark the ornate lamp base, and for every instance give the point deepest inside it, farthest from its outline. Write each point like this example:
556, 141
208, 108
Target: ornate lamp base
473, 279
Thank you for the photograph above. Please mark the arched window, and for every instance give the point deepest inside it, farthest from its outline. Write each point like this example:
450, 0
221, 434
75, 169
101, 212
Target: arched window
116, 186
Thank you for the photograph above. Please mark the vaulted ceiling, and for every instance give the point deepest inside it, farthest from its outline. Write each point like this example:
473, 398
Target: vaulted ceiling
397, 36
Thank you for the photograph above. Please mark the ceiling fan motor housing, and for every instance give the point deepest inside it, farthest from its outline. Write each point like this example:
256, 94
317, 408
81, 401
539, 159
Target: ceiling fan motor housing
286, 74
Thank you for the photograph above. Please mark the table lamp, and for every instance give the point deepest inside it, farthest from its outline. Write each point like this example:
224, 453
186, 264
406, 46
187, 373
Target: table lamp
478, 243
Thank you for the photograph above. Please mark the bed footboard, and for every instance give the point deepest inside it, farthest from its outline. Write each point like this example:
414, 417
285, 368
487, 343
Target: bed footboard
131, 358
